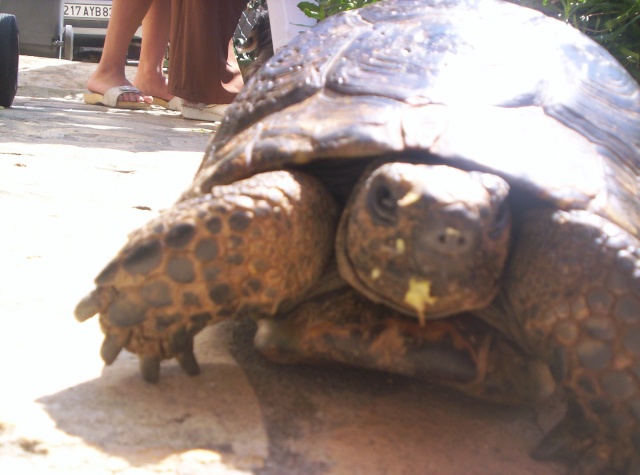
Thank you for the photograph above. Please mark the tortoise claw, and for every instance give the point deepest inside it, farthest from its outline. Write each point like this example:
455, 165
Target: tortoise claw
92, 304
112, 346
188, 362
87, 307
150, 368
568, 441
181, 340
182, 345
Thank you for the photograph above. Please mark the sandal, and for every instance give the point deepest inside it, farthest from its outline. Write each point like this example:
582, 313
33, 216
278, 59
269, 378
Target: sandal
201, 111
110, 98
174, 104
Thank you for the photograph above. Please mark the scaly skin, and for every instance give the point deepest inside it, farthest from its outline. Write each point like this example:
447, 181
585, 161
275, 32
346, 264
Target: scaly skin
571, 295
243, 247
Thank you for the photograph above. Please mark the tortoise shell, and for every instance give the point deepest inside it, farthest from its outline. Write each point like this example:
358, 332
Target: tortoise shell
483, 85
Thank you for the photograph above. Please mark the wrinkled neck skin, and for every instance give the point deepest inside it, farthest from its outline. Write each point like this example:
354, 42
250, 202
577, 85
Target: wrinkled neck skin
426, 240
330, 281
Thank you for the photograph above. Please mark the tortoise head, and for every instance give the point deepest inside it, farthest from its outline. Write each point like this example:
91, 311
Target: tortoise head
428, 240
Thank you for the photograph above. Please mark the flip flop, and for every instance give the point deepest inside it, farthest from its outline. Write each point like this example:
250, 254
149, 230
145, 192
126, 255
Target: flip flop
206, 112
110, 98
174, 104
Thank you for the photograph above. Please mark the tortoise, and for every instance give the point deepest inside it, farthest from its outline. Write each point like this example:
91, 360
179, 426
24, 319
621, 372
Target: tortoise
446, 189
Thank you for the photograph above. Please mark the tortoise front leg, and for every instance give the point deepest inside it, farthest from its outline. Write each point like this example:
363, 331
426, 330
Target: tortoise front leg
460, 352
571, 296
244, 246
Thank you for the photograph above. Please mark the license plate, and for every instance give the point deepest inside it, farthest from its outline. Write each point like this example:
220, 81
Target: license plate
82, 10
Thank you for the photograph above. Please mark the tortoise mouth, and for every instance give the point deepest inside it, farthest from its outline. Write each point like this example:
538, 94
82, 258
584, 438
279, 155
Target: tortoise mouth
425, 295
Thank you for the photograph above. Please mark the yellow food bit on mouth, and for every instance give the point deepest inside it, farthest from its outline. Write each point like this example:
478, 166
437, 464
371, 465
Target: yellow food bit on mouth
410, 198
400, 246
452, 232
375, 273
419, 296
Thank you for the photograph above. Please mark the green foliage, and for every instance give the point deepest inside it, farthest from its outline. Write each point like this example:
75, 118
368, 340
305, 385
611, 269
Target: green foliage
615, 24
327, 8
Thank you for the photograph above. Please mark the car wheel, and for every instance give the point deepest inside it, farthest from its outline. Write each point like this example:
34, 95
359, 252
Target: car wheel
9, 56
67, 43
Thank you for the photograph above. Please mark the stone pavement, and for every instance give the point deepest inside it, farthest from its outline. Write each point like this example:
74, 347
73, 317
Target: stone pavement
74, 180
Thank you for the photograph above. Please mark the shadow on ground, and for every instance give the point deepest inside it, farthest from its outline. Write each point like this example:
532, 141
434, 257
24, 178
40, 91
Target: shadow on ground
269, 419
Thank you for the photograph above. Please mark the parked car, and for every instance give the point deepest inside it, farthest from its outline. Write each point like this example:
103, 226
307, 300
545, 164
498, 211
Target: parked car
63, 28
40, 23
85, 26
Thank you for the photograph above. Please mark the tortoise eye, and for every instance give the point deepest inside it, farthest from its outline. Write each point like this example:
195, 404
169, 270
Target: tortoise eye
382, 203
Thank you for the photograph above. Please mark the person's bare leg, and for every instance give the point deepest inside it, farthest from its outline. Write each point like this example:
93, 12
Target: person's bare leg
126, 17
155, 27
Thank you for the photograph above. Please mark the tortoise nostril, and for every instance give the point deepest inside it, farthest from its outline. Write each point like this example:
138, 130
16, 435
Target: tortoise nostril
447, 239
451, 240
